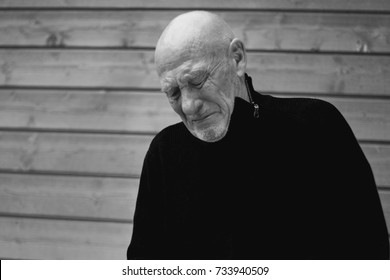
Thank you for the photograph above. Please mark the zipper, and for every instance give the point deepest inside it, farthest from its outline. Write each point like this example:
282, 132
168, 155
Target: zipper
256, 107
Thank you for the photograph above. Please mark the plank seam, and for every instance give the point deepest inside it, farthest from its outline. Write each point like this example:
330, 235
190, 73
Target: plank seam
121, 132
366, 96
79, 88
158, 91
78, 131
128, 133
384, 189
318, 52
70, 174
374, 142
147, 49
88, 48
66, 218
132, 90
184, 9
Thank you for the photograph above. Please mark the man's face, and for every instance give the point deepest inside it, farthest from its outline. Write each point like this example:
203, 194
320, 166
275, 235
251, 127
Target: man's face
201, 91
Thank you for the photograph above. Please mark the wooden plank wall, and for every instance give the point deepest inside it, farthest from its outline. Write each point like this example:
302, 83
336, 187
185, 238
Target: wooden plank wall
79, 103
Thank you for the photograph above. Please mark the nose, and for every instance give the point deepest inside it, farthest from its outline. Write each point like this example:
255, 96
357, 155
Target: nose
191, 103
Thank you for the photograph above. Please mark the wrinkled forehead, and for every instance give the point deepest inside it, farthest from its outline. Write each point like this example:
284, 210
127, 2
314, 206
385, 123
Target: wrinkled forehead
187, 69
190, 57
183, 62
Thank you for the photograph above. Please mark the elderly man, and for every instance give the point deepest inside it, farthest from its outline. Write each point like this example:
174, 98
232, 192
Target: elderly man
247, 175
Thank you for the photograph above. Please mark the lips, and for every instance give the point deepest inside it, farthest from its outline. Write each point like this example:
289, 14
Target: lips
202, 118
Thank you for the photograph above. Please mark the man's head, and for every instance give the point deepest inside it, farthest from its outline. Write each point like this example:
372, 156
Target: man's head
201, 67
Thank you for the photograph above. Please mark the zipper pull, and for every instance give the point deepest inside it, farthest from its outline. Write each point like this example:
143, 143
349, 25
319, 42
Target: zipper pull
256, 113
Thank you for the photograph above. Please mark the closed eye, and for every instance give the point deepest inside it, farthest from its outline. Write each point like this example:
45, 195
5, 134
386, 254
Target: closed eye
198, 83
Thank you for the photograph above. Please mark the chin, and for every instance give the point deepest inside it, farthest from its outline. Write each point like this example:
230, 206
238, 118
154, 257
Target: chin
211, 134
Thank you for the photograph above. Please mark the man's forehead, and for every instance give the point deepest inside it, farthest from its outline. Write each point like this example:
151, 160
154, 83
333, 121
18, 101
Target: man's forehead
168, 57
180, 37
188, 67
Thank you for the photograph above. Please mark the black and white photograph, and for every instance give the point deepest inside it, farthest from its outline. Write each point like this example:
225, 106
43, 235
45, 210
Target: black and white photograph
194, 130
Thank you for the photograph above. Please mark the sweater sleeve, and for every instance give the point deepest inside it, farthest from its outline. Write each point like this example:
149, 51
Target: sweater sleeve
354, 217
146, 241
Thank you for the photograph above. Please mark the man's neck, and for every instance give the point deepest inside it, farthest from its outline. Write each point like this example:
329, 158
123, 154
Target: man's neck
243, 91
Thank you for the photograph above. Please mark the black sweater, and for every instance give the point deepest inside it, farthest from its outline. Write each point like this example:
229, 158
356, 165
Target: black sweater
292, 184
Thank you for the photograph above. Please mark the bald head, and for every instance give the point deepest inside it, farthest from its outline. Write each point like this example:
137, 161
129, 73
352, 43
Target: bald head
193, 35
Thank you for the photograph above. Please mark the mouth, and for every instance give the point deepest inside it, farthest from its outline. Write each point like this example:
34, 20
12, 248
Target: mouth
203, 118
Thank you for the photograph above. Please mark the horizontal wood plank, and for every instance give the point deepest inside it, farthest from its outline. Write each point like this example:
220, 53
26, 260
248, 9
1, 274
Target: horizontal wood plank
384, 196
54, 239
379, 159
372, 5
22, 238
119, 155
113, 155
272, 72
258, 30
67, 197
125, 111
368, 118
99, 110
328, 74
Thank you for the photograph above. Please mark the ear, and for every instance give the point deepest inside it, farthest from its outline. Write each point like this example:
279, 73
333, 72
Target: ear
238, 53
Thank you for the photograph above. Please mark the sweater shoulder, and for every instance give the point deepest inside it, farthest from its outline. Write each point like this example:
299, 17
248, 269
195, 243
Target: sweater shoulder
318, 116
166, 137
307, 109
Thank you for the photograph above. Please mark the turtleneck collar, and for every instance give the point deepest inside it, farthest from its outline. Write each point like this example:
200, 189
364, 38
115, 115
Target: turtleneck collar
255, 98
245, 108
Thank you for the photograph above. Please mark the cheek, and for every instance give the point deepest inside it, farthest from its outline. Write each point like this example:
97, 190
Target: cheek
176, 106
221, 91
215, 88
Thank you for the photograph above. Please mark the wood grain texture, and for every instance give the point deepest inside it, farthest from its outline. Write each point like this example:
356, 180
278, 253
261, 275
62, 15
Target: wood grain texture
384, 196
330, 74
379, 159
86, 110
54, 239
272, 72
346, 5
81, 197
368, 118
120, 155
149, 112
68, 197
111, 154
258, 30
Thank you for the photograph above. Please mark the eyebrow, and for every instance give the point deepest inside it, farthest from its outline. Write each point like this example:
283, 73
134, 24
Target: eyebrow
189, 74
168, 84
196, 73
